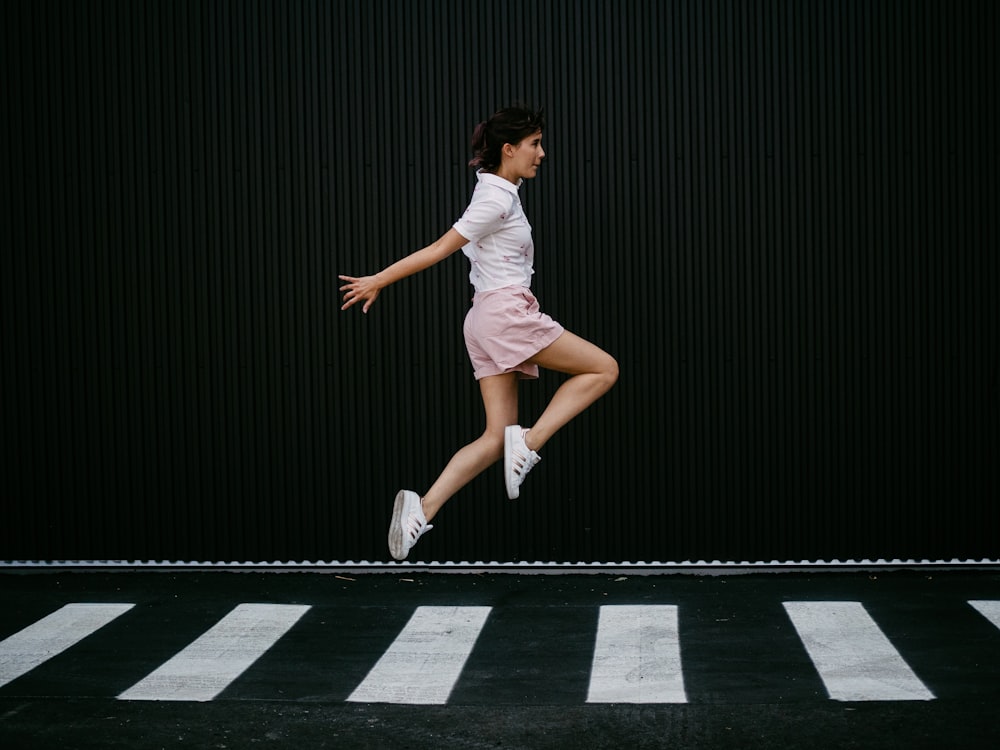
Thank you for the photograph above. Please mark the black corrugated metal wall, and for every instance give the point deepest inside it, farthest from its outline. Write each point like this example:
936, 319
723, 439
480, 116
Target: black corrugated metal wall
781, 217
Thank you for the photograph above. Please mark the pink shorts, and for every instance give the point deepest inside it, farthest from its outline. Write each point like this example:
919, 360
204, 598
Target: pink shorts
504, 328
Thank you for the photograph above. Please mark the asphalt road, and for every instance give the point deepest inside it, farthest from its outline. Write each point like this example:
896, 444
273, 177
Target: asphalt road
317, 660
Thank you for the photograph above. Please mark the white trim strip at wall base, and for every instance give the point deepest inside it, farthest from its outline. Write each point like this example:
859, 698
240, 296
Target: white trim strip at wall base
701, 567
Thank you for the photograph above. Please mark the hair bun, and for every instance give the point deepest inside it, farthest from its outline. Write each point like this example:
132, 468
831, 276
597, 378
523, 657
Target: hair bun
508, 125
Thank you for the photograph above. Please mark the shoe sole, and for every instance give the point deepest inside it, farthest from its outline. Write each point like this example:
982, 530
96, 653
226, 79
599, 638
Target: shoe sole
509, 433
396, 527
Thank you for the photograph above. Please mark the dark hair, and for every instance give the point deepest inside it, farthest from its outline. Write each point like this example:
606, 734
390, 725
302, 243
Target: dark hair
509, 125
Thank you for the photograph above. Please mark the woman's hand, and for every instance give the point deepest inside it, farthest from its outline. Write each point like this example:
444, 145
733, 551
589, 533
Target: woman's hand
367, 288
356, 289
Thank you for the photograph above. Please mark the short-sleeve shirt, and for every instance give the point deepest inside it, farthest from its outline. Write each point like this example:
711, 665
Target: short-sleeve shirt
500, 248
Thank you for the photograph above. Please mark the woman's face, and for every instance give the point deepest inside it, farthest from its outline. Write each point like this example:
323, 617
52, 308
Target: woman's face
523, 159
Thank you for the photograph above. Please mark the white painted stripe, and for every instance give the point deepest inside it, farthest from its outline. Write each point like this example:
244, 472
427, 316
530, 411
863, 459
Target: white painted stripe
424, 662
988, 609
637, 656
854, 658
53, 634
208, 665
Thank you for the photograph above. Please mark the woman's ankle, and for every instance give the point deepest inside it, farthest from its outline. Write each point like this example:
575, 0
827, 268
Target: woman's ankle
530, 440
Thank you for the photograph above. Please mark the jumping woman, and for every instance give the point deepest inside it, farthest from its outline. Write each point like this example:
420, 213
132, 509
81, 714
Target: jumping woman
507, 336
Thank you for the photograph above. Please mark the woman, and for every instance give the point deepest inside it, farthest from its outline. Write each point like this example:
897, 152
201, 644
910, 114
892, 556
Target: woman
506, 334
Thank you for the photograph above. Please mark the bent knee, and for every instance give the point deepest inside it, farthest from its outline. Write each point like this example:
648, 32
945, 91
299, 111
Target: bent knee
492, 442
609, 371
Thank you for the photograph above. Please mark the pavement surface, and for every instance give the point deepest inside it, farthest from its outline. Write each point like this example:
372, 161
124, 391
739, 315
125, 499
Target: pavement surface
395, 660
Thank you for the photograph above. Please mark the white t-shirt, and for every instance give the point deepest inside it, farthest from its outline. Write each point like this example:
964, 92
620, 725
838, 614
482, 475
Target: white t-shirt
500, 247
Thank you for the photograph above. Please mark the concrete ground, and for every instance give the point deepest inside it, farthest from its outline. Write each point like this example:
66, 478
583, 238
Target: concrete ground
414, 660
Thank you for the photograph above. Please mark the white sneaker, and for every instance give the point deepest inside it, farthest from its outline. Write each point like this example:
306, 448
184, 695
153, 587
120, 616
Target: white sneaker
518, 459
408, 524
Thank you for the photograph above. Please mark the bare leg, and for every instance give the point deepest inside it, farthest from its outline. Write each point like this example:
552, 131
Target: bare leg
500, 401
594, 371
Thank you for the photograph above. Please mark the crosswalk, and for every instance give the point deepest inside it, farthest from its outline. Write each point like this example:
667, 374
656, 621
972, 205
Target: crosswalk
37, 643
205, 668
425, 661
852, 655
636, 654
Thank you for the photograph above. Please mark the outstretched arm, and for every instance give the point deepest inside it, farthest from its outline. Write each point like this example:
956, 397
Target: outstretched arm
367, 288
